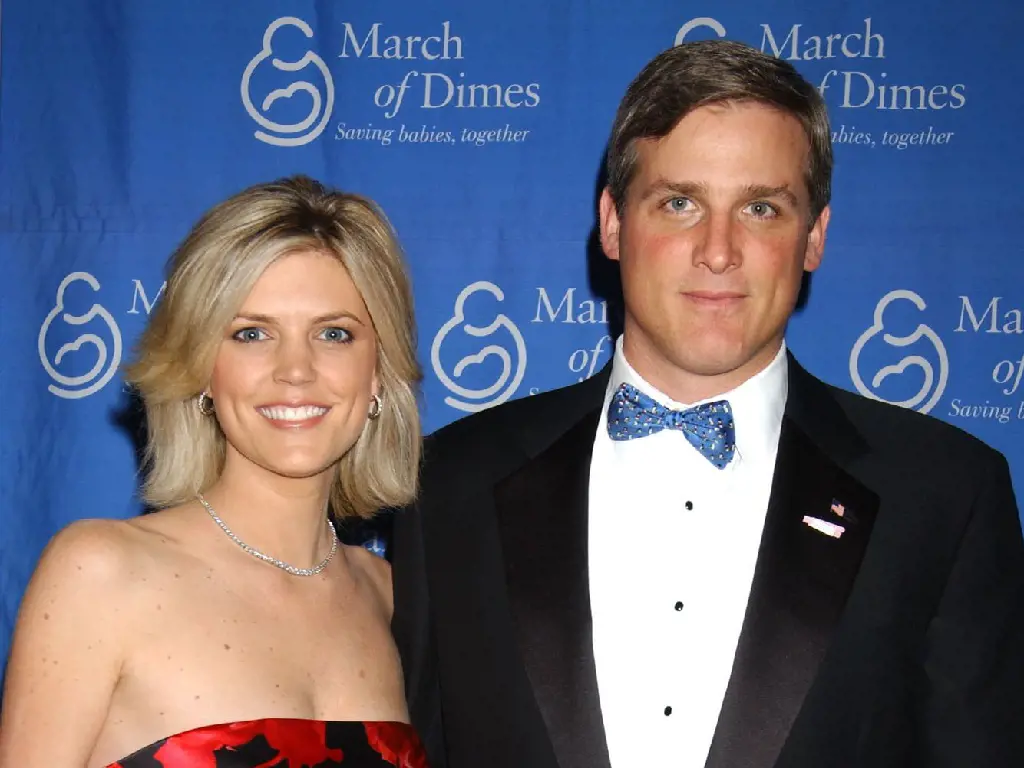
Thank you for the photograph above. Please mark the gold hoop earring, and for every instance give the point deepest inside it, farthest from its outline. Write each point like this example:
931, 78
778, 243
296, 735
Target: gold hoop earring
205, 404
376, 405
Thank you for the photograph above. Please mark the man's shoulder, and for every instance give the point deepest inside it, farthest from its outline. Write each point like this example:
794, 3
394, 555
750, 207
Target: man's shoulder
895, 428
485, 436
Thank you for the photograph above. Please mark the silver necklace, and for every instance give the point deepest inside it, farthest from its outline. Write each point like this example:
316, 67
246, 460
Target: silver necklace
267, 558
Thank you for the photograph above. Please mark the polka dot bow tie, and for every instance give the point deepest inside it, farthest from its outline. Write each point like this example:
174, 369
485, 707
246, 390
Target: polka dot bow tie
708, 427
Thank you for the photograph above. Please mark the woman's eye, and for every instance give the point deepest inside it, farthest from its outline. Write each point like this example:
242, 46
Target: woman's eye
336, 334
249, 334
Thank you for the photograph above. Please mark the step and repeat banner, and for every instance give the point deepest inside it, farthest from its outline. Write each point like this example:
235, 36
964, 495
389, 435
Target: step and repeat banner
480, 129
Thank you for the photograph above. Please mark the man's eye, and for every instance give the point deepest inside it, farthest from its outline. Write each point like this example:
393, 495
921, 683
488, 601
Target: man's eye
678, 204
763, 210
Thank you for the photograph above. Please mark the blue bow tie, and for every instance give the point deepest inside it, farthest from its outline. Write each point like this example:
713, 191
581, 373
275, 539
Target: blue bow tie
709, 427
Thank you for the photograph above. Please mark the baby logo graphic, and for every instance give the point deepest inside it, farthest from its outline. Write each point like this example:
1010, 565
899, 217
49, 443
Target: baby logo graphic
704, 21
932, 386
513, 363
313, 124
83, 385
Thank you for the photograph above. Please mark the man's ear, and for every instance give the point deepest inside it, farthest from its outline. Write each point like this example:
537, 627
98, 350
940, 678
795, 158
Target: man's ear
815, 250
610, 225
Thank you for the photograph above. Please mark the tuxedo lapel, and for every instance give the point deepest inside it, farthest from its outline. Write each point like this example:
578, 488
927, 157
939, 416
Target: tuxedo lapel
542, 522
802, 578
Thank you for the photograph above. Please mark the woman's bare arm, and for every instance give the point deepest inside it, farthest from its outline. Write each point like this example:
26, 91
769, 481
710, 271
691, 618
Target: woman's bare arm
67, 649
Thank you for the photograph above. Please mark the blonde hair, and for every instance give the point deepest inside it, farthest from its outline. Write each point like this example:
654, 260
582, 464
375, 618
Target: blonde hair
211, 274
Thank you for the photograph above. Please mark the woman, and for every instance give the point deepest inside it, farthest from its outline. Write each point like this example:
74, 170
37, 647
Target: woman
231, 628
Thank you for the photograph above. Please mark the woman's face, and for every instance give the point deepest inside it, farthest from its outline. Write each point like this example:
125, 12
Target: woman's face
296, 370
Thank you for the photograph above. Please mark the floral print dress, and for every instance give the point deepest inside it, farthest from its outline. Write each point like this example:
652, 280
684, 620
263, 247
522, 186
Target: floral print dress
285, 743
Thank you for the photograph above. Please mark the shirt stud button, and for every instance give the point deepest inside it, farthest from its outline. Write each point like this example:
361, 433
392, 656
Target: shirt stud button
688, 505
668, 711
679, 605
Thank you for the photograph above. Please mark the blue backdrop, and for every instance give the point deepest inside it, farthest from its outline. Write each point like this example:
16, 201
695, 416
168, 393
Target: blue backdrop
480, 129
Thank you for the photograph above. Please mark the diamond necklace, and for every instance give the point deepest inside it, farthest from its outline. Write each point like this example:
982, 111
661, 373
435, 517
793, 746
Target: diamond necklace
267, 558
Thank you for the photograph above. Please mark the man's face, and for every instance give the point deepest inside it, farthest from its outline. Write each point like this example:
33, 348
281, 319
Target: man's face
713, 240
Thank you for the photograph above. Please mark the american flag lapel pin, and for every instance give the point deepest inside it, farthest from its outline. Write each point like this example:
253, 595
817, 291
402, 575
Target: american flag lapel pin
835, 530
823, 526
843, 512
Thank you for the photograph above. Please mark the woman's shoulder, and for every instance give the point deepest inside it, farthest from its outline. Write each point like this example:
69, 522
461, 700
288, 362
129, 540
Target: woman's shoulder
106, 555
76, 594
91, 551
74, 631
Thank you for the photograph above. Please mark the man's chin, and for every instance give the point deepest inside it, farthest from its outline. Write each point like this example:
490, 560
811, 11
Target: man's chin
710, 355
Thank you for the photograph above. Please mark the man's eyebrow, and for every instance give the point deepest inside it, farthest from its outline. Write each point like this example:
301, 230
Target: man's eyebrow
682, 188
783, 191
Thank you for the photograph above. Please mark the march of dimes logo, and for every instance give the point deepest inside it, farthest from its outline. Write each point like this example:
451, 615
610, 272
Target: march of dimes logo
854, 77
298, 88
926, 362
510, 356
322, 104
933, 382
496, 368
103, 348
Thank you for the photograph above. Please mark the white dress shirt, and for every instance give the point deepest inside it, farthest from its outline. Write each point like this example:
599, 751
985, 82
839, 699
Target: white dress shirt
673, 543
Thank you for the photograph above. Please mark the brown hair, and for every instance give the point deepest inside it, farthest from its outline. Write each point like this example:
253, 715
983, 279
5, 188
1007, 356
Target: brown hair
696, 74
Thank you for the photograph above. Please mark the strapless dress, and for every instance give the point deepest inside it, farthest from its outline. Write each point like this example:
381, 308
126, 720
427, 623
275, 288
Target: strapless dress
285, 743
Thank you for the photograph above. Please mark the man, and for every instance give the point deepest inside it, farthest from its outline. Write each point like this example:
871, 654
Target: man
704, 555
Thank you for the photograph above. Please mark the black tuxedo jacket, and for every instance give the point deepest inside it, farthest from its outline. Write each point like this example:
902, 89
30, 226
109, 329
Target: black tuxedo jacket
901, 643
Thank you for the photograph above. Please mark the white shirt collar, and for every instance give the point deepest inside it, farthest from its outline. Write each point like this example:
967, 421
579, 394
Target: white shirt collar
757, 404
